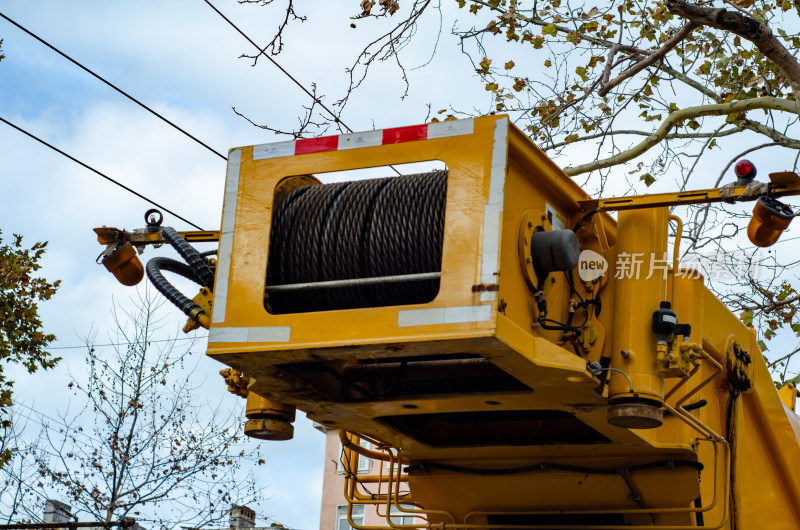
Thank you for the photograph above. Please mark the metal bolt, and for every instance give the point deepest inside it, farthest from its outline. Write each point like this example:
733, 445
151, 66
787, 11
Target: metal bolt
626, 355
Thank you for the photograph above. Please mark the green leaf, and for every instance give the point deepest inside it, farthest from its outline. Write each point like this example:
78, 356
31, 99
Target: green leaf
549, 29
22, 339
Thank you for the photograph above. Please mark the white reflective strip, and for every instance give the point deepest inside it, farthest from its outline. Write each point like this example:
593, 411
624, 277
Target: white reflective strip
494, 205
444, 315
269, 334
260, 152
488, 296
256, 334
362, 139
443, 129
227, 335
226, 235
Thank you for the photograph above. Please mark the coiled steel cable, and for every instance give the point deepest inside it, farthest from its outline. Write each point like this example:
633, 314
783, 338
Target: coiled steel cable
364, 229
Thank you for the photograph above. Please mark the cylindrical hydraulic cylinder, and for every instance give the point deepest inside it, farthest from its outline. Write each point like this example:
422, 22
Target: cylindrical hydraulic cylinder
267, 419
641, 270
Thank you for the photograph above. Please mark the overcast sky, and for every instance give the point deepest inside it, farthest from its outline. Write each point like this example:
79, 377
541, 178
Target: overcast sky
180, 58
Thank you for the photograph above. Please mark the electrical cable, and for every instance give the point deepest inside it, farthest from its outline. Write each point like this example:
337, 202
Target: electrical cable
87, 70
60, 422
583, 302
585, 217
82, 346
281, 68
261, 52
90, 168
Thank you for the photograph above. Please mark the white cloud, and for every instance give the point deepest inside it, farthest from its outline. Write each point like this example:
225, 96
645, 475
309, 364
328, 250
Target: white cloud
180, 59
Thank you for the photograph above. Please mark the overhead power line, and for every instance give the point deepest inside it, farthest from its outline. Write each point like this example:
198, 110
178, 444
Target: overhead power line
85, 69
83, 346
281, 68
40, 421
90, 168
286, 73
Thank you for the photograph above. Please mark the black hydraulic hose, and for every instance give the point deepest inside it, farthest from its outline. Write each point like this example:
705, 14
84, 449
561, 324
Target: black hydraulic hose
196, 262
698, 503
697, 405
211, 263
154, 268
172, 265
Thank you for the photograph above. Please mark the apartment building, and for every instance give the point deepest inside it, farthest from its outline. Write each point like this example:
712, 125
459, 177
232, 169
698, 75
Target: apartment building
333, 513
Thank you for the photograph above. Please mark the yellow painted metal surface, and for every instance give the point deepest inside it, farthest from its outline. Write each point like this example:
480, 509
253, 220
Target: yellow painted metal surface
464, 215
642, 248
782, 184
788, 394
544, 414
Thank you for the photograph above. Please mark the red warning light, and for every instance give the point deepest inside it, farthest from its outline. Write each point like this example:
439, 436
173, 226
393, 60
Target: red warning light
745, 169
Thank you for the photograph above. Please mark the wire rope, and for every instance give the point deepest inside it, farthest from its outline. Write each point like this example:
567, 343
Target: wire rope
373, 228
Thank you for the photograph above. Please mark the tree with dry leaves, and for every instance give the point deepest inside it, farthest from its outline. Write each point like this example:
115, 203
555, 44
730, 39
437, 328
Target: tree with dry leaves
626, 96
21, 499
23, 339
145, 443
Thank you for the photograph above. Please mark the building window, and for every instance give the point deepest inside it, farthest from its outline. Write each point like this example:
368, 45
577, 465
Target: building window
363, 462
341, 517
396, 465
399, 517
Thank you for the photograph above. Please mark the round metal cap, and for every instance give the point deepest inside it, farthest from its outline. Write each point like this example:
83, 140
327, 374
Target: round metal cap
269, 429
635, 416
555, 250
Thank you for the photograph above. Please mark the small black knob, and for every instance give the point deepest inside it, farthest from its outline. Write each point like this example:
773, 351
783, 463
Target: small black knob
664, 321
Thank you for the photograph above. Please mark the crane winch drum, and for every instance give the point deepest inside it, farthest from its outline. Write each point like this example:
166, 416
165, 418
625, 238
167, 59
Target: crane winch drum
318, 284
439, 315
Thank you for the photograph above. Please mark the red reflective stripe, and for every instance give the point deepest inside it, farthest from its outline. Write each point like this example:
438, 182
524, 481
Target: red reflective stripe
316, 145
405, 134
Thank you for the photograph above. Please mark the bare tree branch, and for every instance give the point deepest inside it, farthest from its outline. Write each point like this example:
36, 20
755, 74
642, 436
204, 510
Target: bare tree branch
151, 444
